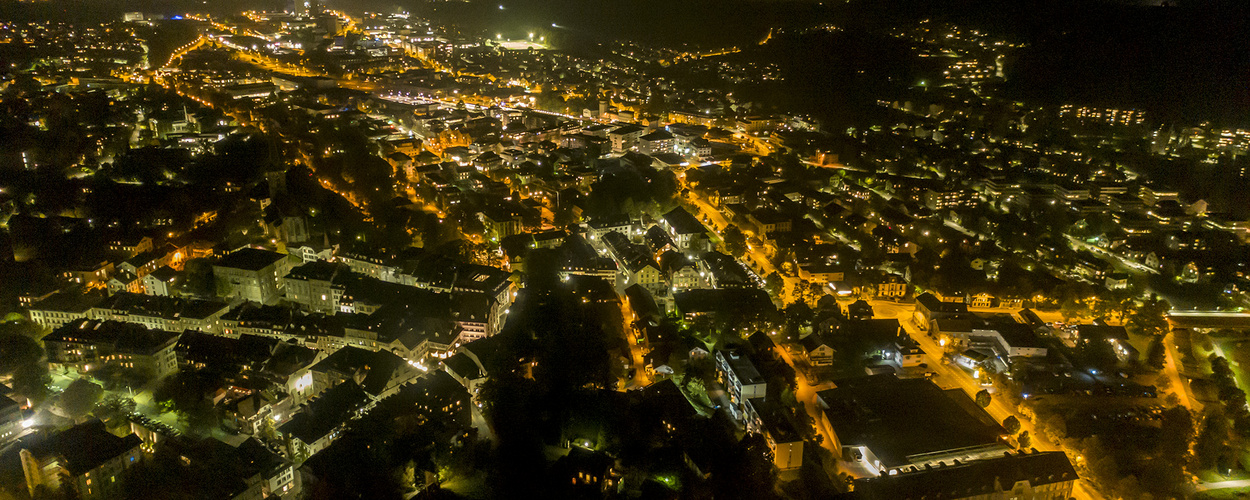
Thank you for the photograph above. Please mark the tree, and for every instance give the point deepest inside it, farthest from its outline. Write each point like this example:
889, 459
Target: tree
184, 392
774, 285
31, 380
114, 406
735, 241
1011, 424
803, 292
1211, 441
983, 398
17, 350
1176, 431
745, 472
1155, 353
1150, 318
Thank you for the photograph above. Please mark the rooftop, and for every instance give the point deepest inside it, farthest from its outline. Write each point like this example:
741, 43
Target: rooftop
334, 407
84, 447
901, 418
683, 223
124, 337
742, 367
974, 478
250, 259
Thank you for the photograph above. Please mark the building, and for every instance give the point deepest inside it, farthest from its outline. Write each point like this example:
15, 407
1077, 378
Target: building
656, 142
687, 232
124, 281
251, 274
131, 245
929, 308
12, 419
319, 422
742, 381
1009, 341
63, 306
89, 274
160, 282
636, 263
1025, 476
769, 221
624, 137
160, 313
499, 222
378, 373
88, 345
948, 198
892, 286
873, 427
879, 341
819, 350
740, 303
784, 442
316, 286
290, 367
247, 471
84, 461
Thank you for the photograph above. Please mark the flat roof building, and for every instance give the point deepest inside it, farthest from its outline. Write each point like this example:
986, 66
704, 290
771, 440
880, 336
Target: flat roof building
891, 424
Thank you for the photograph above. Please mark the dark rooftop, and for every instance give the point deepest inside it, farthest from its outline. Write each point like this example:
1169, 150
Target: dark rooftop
901, 418
334, 407
377, 366
124, 337
1019, 335
683, 223
85, 446
250, 259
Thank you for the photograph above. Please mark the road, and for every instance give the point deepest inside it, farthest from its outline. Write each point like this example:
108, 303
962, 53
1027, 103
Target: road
1126, 263
1179, 386
805, 394
1240, 483
759, 263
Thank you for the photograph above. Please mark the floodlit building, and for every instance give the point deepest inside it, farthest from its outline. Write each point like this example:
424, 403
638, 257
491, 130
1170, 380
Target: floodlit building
1025, 475
252, 274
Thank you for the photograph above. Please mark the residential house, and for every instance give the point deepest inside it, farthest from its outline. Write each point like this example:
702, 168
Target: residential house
687, 232
160, 281
818, 349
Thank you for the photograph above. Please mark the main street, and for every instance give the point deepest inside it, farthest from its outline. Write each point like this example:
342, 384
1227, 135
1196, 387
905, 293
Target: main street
758, 260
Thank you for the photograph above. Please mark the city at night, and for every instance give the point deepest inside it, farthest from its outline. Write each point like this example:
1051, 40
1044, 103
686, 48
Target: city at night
624, 249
